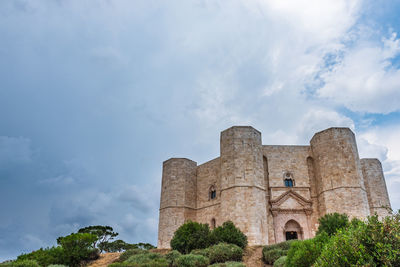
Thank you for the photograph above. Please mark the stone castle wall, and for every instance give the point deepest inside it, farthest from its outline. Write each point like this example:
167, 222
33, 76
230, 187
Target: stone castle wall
249, 180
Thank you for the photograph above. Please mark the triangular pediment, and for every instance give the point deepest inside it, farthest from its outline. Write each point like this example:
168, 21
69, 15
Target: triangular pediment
290, 200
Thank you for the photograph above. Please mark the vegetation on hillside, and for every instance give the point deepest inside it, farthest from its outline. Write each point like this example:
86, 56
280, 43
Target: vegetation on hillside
76, 248
340, 242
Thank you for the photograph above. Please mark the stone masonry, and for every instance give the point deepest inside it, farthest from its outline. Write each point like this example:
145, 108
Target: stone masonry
272, 193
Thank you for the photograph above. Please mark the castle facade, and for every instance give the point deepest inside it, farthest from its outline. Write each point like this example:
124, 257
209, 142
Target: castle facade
271, 192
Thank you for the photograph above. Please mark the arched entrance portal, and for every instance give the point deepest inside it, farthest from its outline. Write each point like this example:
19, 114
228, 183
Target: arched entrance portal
293, 230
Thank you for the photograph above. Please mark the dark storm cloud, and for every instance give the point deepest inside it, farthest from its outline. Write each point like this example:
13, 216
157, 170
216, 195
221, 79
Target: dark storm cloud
95, 95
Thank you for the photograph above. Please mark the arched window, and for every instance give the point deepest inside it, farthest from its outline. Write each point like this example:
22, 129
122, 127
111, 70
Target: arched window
212, 194
288, 182
213, 223
288, 179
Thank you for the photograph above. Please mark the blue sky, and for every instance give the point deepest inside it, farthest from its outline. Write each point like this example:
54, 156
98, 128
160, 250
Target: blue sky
94, 95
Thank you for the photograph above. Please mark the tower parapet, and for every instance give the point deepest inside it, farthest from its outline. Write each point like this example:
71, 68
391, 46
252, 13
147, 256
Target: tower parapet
340, 181
178, 197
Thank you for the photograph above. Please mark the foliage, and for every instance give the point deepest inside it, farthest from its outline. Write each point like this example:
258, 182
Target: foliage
191, 260
45, 257
148, 260
21, 263
172, 256
283, 245
204, 252
281, 262
146, 246
228, 233
305, 252
223, 252
332, 222
78, 247
127, 254
373, 243
228, 264
103, 233
57, 265
116, 246
270, 256
191, 235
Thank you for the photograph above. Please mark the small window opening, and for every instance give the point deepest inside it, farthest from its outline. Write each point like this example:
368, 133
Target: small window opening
288, 182
212, 193
213, 223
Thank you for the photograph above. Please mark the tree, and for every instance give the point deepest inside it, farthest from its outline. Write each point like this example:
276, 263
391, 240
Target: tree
78, 247
103, 233
332, 222
191, 235
229, 233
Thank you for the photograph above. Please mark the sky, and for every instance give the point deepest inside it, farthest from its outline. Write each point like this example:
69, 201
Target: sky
95, 95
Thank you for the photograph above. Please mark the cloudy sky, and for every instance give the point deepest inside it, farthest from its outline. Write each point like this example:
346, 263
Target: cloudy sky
94, 95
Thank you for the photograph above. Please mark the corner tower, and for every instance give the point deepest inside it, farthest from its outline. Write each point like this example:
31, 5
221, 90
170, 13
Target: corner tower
242, 182
338, 170
375, 184
178, 197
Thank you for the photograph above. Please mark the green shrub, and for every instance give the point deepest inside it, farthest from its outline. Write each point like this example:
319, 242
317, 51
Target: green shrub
23, 263
283, 245
228, 264
127, 254
270, 256
78, 247
373, 243
45, 257
305, 252
191, 260
331, 223
172, 256
223, 252
57, 265
204, 252
281, 262
123, 264
228, 233
191, 235
143, 258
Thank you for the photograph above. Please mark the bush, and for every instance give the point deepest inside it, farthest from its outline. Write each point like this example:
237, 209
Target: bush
123, 264
78, 247
57, 265
283, 245
281, 262
203, 252
228, 233
228, 264
304, 253
172, 256
45, 257
374, 243
21, 263
127, 254
223, 252
331, 223
191, 260
143, 258
270, 256
191, 235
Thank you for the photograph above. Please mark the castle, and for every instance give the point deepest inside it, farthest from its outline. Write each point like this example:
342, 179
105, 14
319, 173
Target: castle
272, 192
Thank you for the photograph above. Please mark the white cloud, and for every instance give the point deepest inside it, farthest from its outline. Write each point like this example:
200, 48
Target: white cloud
382, 143
365, 80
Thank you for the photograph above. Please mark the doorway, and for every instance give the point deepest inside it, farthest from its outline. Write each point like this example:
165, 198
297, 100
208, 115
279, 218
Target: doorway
291, 235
